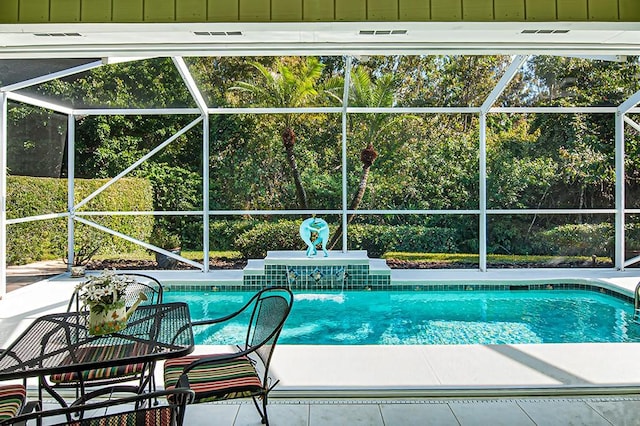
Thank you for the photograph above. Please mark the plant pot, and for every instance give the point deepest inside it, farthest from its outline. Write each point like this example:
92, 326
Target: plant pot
78, 271
166, 262
107, 320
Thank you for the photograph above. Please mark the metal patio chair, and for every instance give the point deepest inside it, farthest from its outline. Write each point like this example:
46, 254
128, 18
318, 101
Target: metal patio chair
138, 410
143, 372
240, 374
13, 399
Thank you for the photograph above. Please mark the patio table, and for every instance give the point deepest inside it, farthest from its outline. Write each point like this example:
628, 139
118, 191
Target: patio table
60, 343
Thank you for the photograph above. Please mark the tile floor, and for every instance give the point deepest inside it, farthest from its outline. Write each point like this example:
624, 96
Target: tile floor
465, 412
588, 411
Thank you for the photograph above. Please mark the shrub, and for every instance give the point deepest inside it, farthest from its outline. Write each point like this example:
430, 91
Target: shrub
577, 240
375, 239
282, 235
223, 233
37, 240
379, 239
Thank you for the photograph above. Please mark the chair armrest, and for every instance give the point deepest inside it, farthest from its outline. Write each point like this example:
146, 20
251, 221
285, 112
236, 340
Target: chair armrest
227, 317
217, 320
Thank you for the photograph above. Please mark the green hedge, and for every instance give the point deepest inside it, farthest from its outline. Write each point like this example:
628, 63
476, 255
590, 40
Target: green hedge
379, 239
376, 239
223, 233
45, 239
577, 240
282, 235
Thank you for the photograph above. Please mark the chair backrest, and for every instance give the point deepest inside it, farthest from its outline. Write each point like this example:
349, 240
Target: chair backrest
271, 309
135, 410
144, 284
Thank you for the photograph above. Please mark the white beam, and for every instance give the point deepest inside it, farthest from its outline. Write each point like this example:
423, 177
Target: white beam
52, 76
414, 110
71, 155
39, 103
142, 111
310, 110
190, 83
142, 213
345, 106
483, 193
550, 211
553, 110
632, 123
205, 191
3, 193
631, 102
620, 192
26, 219
138, 162
138, 242
503, 82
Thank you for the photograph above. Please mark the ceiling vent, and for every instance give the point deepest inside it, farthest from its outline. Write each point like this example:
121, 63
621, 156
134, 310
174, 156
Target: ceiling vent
57, 35
544, 31
383, 32
218, 33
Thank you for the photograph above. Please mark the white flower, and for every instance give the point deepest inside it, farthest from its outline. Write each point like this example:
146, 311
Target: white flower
104, 289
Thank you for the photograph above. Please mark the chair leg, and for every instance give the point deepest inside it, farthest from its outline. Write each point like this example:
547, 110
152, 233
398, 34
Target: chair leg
264, 419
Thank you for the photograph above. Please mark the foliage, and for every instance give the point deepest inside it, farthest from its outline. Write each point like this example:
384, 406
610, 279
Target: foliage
223, 233
282, 235
164, 239
36, 141
424, 161
379, 239
579, 240
31, 241
291, 83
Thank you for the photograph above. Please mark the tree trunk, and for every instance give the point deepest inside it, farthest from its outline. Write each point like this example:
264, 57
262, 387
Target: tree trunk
355, 203
288, 140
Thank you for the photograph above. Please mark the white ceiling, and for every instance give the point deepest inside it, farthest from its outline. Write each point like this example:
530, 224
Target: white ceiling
336, 38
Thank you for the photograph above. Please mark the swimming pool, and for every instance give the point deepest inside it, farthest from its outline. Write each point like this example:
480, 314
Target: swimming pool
430, 317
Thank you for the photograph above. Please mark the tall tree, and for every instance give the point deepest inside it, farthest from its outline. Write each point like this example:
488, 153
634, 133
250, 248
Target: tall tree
366, 92
289, 86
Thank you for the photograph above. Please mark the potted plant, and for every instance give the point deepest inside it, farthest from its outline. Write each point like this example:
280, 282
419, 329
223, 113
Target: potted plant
88, 242
162, 238
104, 296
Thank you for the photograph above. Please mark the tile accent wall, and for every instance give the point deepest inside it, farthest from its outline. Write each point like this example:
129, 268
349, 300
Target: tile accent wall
313, 277
381, 283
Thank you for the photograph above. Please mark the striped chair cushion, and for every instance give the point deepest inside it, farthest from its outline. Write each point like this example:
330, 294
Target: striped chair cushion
11, 399
99, 374
103, 352
236, 378
156, 416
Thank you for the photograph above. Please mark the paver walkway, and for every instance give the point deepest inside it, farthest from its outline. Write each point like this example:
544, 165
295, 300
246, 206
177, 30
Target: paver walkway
23, 275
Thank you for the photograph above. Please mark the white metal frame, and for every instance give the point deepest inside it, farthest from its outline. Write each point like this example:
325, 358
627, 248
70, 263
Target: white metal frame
203, 112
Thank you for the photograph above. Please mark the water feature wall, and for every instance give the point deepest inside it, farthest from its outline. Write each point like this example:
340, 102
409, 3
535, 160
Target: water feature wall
338, 271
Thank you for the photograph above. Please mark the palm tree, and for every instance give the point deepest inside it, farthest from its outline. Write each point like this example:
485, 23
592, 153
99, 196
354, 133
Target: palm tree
290, 87
366, 92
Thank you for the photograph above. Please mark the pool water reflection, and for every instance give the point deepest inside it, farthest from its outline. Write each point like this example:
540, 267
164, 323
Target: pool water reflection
430, 317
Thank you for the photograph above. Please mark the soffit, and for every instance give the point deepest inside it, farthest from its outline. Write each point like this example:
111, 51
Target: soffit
335, 38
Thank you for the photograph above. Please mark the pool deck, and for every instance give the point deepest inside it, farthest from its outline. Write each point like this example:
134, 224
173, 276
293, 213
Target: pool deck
466, 384
421, 370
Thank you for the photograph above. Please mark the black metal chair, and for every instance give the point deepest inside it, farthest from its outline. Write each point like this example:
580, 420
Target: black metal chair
13, 399
138, 410
240, 374
143, 372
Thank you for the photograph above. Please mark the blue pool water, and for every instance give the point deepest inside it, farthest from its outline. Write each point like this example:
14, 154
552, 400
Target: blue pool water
448, 317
